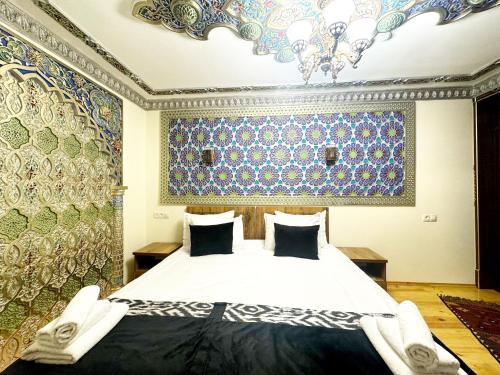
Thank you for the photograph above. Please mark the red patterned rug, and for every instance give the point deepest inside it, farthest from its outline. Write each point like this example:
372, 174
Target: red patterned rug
482, 318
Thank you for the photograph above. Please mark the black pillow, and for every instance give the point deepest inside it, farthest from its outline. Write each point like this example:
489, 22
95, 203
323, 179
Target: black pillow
299, 242
211, 239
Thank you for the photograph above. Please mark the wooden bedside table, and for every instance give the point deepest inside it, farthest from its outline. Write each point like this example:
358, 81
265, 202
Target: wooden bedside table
152, 254
369, 261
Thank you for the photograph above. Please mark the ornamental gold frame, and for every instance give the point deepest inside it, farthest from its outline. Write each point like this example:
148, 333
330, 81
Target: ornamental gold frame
407, 199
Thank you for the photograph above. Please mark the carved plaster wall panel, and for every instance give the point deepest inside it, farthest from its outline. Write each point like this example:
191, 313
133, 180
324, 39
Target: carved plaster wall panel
58, 161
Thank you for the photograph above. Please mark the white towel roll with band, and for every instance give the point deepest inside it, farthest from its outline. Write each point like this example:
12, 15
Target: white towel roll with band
417, 339
395, 363
72, 318
41, 353
390, 331
98, 311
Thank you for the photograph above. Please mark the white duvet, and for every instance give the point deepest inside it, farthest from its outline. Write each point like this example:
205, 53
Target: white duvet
254, 276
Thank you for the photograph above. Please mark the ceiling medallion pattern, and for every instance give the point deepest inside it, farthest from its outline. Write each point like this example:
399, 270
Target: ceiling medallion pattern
269, 24
194, 17
187, 12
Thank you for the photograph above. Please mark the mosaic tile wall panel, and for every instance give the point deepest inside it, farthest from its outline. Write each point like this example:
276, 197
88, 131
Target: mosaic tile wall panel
57, 169
277, 155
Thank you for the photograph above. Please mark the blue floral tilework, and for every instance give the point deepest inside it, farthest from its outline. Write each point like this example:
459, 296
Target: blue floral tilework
284, 155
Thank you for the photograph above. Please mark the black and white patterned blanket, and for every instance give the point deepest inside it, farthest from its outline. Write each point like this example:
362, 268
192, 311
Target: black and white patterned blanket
193, 338
243, 313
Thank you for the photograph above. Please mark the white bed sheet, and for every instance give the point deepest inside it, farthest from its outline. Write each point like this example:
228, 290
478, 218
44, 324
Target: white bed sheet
254, 276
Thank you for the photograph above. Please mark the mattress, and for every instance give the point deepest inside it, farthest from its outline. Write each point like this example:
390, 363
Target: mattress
253, 275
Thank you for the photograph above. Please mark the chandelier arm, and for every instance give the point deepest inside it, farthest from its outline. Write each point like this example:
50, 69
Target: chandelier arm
306, 75
356, 60
334, 46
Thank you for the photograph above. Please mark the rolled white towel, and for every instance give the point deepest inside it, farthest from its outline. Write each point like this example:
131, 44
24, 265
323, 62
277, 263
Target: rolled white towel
87, 340
390, 330
417, 338
391, 359
72, 318
389, 356
98, 311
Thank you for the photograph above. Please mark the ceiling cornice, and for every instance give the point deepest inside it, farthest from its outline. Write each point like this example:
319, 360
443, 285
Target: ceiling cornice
16, 19
62, 20
434, 88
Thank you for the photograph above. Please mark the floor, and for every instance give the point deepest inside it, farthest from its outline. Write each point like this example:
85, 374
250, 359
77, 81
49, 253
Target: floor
445, 325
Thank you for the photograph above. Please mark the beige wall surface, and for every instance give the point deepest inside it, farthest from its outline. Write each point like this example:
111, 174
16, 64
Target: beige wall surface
443, 251
134, 177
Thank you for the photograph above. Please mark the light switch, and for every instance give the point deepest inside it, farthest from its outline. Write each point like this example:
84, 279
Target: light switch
429, 218
160, 215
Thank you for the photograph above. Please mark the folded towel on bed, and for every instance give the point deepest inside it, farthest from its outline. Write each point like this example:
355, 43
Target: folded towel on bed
390, 330
72, 318
395, 363
41, 353
98, 311
417, 338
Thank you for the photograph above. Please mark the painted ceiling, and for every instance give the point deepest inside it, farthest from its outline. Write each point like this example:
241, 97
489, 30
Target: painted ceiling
265, 21
247, 44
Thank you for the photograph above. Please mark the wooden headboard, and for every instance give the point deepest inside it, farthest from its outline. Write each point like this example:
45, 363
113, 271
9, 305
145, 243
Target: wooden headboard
253, 216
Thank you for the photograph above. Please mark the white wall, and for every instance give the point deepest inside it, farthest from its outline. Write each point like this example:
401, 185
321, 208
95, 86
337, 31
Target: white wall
158, 229
134, 177
429, 252
439, 252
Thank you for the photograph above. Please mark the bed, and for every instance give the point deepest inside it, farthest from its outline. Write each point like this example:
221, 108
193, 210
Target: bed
245, 313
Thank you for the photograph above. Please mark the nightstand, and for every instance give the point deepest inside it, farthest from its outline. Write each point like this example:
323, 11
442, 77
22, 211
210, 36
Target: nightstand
369, 261
152, 254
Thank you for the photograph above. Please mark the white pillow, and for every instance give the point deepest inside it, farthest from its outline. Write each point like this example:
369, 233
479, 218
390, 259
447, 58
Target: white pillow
238, 235
297, 221
269, 236
303, 220
209, 219
269, 221
238, 239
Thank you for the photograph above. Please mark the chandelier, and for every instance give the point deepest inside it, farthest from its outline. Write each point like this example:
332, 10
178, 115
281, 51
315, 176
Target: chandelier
338, 37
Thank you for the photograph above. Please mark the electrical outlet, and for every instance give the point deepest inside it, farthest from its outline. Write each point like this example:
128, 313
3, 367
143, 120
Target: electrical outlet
160, 215
429, 218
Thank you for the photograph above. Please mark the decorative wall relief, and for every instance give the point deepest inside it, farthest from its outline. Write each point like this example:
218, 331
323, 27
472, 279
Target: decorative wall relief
276, 155
60, 155
102, 107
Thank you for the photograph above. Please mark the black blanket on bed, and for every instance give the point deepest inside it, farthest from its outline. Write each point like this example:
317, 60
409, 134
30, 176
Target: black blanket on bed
224, 339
